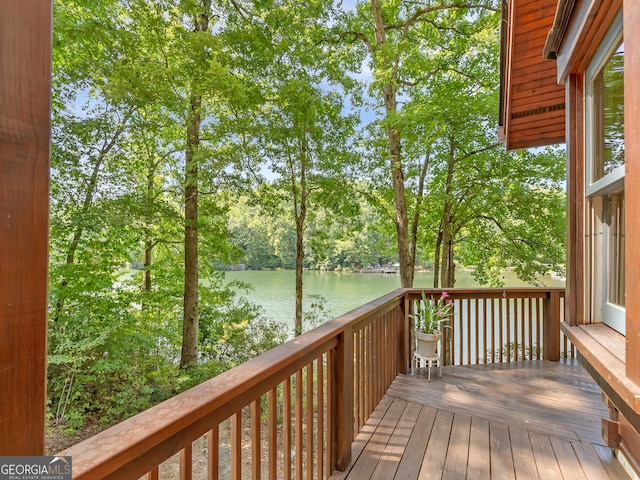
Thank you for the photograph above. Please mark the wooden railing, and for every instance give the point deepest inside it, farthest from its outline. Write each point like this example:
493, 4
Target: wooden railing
288, 413
502, 325
293, 412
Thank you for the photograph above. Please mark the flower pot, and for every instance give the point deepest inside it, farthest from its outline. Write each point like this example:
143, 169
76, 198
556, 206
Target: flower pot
427, 343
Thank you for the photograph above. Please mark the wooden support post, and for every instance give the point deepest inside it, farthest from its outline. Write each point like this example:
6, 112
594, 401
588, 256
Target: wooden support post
610, 432
631, 12
342, 401
25, 93
551, 328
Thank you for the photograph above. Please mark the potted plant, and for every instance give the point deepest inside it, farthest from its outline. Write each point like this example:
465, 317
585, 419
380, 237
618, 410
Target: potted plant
430, 316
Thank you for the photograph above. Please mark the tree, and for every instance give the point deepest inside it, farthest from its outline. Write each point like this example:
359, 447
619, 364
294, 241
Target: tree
408, 43
301, 133
305, 142
465, 172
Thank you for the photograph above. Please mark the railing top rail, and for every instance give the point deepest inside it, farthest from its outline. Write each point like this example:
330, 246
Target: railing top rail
133, 447
488, 292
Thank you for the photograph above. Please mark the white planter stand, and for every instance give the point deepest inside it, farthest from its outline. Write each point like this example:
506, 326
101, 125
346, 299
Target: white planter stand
426, 353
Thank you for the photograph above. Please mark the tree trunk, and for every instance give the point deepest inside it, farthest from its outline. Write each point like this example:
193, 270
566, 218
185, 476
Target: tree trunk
299, 260
146, 273
448, 265
190, 306
436, 261
148, 240
447, 278
300, 214
406, 259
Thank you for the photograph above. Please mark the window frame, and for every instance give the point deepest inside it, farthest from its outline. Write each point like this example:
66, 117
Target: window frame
600, 190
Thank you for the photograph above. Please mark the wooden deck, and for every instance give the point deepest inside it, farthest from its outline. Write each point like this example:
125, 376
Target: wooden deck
524, 420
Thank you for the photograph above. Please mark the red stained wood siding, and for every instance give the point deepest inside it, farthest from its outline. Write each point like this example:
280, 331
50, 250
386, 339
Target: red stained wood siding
533, 102
632, 192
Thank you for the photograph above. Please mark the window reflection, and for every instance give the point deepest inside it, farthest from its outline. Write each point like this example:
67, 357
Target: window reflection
615, 240
608, 89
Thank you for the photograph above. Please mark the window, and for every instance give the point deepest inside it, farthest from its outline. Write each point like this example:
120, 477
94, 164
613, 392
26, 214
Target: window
604, 182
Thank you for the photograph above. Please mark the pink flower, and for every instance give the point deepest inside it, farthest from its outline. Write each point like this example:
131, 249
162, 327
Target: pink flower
445, 294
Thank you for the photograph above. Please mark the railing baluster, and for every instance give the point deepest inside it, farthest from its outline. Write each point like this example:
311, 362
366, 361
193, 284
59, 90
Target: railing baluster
536, 314
376, 362
363, 372
380, 355
152, 475
375, 357
530, 310
516, 333
320, 421
467, 337
236, 445
370, 369
357, 373
298, 419
272, 401
461, 335
309, 423
331, 408
386, 364
508, 347
495, 317
256, 439
451, 341
286, 426
484, 330
213, 443
477, 335
523, 329
186, 462
501, 329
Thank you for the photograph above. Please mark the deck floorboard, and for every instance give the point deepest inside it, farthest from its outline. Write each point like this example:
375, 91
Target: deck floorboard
523, 420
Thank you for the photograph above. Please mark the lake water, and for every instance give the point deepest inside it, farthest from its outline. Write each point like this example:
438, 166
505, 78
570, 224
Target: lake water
342, 292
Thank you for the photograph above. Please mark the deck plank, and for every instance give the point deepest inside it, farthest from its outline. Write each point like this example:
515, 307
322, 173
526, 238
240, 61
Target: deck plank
367, 431
458, 452
544, 456
523, 460
610, 462
409, 467
392, 454
568, 462
479, 466
487, 422
590, 462
501, 456
368, 460
435, 455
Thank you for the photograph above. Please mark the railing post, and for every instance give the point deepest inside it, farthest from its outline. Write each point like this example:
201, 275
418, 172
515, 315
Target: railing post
551, 328
342, 401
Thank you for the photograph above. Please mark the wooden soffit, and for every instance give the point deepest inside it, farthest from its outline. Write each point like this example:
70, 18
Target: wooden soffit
532, 104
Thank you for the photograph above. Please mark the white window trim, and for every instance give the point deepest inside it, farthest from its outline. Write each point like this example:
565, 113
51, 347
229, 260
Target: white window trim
611, 314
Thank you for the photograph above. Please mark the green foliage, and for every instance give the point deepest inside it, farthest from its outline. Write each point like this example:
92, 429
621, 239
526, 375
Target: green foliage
430, 314
333, 241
